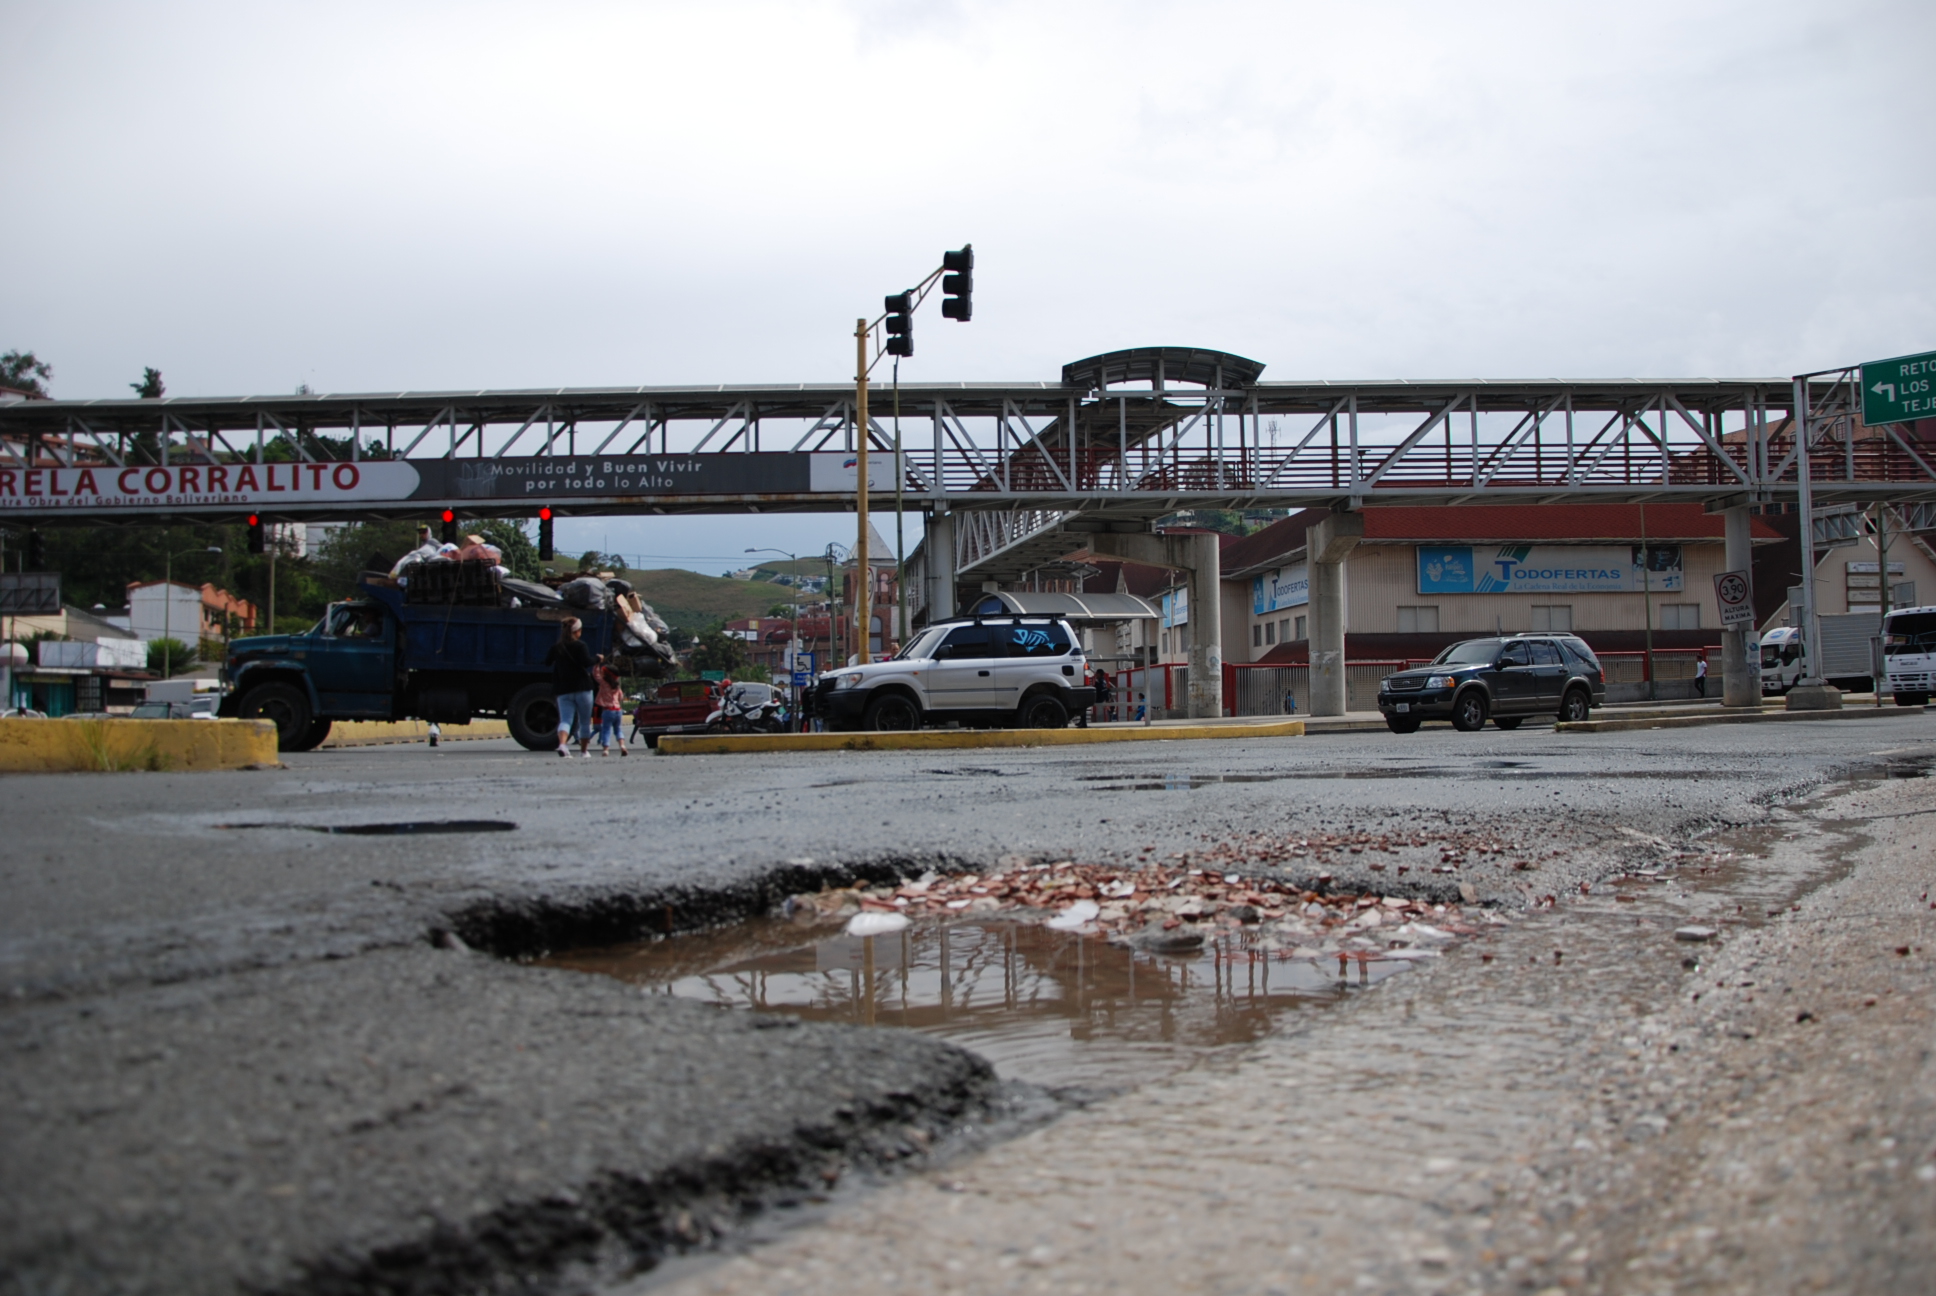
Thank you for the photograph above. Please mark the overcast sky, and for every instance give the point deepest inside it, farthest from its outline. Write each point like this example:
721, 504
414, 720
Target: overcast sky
390, 196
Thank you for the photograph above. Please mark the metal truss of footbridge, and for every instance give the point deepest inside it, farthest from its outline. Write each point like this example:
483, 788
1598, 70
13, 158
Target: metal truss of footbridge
1122, 439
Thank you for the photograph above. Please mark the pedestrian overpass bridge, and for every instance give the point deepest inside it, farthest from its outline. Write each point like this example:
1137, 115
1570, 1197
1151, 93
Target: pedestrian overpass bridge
1010, 476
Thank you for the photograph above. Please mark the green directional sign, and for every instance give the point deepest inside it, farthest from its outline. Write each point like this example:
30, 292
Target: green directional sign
1896, 391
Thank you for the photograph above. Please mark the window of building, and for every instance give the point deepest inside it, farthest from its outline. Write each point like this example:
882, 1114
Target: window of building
1553, 617
1166, 642
1301, 634
1257, 636
1418, 620
1270, 632
1680, 616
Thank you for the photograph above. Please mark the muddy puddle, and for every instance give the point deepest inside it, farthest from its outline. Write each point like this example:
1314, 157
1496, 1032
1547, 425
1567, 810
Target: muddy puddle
1061, 1009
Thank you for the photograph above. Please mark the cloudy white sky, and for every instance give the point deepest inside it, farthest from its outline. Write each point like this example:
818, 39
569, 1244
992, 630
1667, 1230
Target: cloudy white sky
388, 196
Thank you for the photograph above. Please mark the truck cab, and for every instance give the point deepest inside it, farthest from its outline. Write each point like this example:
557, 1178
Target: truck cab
1909, 651
342, 668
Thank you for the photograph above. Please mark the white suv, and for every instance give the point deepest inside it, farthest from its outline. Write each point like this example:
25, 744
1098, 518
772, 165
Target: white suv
998, 670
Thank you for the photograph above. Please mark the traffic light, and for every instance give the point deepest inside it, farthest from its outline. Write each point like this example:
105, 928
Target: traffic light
959, 285
255, 534
900, 324
544, 535
36, 551
450, 526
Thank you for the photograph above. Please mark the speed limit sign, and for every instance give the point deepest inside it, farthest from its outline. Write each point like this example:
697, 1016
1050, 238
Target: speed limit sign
1735, 594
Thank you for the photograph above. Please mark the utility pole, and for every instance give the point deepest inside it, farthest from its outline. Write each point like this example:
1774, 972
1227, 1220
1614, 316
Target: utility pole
1647, 602
1882, 566
864, 591
900, 536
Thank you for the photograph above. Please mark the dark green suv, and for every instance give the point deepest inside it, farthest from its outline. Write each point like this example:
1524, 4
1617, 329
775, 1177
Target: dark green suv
1502, 679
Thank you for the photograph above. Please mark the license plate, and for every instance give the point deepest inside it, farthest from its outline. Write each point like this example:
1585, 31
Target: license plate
1402, 707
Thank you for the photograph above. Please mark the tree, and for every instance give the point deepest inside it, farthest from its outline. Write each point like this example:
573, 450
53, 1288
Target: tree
166, 656
719, 651
780, 610
24, 371
520, 552
149, 388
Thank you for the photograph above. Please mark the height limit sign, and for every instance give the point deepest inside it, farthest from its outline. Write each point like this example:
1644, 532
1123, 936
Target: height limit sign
1735, 594
1896, 391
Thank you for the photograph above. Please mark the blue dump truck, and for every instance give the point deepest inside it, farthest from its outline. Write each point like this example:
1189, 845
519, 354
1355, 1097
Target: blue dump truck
446, 651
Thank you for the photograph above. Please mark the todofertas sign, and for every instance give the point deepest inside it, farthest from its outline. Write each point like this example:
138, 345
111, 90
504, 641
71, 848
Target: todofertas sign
1286, 587
1545, 569
194, 486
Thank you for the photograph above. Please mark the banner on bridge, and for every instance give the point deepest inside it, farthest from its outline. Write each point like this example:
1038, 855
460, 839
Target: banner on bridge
320, 487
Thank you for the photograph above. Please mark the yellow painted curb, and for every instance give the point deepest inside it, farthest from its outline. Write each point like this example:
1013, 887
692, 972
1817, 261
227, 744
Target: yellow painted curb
1744, 716
932, 739
58, 746
373, 733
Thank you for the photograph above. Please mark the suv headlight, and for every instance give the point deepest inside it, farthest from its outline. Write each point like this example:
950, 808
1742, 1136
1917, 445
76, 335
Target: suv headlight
1440, 681
849, 681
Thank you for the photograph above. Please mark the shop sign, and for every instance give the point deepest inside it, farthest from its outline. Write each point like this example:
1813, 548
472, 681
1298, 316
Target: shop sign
1547, 569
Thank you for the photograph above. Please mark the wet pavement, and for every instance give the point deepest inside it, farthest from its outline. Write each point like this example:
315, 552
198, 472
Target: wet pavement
1550, 1109
282, 1057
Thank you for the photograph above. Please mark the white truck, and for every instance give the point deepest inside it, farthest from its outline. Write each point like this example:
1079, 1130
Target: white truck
1847, 656
1909, 649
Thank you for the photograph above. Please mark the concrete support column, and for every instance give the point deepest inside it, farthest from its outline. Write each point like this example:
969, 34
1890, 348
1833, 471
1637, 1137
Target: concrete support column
1331, 541
1740, 671
1206, 627
941, 572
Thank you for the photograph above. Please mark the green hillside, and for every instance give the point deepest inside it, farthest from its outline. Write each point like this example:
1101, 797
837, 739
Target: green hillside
696, 603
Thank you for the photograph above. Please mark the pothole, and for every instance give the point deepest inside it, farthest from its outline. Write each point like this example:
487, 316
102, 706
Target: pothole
1060, 1009
420, 827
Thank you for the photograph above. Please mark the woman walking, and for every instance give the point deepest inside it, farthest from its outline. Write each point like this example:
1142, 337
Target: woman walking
609, 702
571, 684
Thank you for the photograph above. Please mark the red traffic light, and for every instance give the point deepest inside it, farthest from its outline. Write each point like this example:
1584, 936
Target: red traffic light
544, 515
254, 520
449, 515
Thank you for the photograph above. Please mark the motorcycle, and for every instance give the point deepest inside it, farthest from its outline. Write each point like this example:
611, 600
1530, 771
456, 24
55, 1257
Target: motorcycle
749, 709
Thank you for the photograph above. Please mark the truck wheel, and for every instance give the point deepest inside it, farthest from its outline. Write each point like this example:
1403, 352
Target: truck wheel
1402, 724
313, 737
1043, 711
892, 712
1469, 711
285, 706
533, 718
1912, 699
1576, 707
1508, 722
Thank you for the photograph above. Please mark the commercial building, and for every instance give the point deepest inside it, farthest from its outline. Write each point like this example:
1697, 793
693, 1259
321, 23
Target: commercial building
188, 613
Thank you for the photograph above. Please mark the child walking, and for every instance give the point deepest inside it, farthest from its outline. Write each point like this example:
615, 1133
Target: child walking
610, 706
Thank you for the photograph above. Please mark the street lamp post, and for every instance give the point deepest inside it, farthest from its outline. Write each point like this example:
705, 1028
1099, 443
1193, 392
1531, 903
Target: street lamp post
793, 629
168, 605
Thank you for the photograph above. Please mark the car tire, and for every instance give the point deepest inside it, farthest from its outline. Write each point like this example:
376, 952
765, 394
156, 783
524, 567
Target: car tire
1469, 711
1402, 724
894, 712
1043, 711
1575, 706
1912, 699
533, 717
313, 737
1508, 722
283, 705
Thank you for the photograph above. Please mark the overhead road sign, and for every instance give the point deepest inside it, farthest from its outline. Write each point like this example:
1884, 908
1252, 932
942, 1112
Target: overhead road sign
1899, 390
30, 593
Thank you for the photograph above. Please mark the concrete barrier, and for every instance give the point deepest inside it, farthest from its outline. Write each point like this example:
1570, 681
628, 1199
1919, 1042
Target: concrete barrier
376, 733
938, 739
107, 746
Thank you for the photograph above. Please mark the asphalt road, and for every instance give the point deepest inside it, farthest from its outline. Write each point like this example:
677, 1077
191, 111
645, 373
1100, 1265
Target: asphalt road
240, 1051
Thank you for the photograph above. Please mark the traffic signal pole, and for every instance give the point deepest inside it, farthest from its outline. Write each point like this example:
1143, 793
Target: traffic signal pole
864, 592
